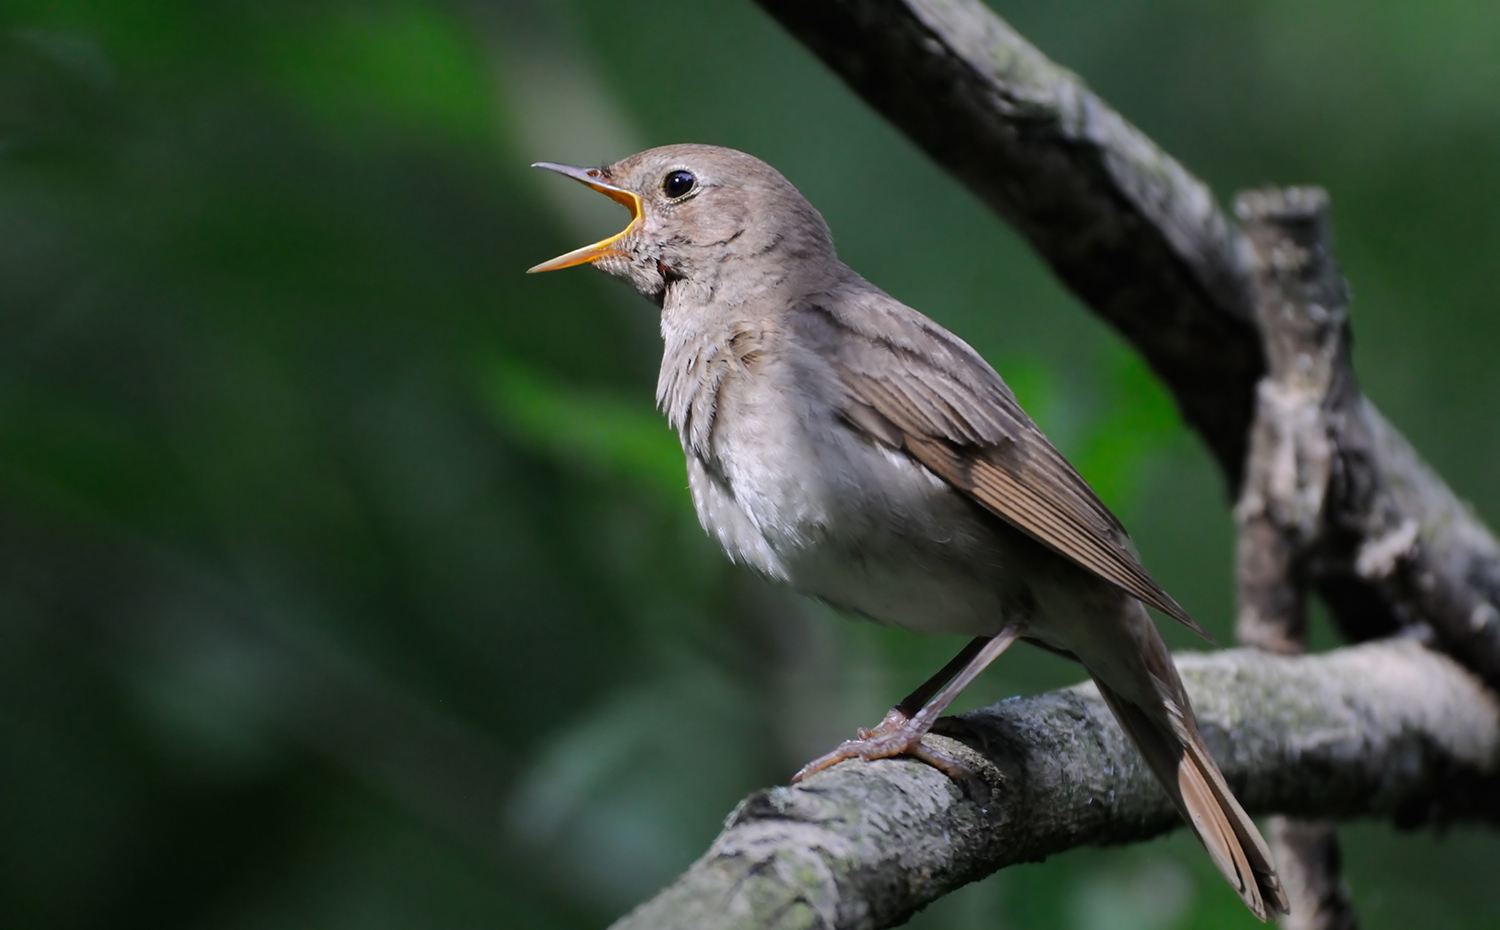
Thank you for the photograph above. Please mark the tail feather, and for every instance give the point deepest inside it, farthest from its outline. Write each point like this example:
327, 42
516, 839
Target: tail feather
1175, 753
1257, 852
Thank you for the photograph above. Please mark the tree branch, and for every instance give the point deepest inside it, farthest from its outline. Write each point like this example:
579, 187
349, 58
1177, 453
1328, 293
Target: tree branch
1387, 729
1143, 243
1309, 863
1126, 227
1301, 306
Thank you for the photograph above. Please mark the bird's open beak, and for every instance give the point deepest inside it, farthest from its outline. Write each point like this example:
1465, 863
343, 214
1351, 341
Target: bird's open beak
602, 249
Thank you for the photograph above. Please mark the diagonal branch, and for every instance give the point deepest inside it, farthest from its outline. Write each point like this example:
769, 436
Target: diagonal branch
1143, 243
1126, 227
1388, 729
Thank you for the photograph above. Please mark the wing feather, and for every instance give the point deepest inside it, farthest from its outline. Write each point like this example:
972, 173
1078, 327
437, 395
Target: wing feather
909, 379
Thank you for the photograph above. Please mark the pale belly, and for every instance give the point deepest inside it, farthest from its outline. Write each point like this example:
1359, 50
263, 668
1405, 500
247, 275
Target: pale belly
865, 529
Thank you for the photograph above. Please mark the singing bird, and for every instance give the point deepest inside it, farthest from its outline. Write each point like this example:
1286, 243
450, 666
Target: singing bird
841, 442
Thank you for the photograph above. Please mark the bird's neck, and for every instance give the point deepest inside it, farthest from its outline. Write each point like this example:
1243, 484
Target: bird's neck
716, 334
722, 311
694, 365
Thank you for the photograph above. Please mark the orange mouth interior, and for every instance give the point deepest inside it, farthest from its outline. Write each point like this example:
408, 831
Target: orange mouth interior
605, 248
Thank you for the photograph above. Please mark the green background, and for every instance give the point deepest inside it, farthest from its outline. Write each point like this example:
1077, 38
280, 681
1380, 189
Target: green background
347, 576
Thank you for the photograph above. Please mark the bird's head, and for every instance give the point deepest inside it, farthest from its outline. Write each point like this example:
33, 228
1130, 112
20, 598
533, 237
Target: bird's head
721, 220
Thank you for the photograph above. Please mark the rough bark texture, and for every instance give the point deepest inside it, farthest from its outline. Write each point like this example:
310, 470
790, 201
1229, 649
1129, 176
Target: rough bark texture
1136, 236
1387, 729
1301, 307
1302, 310
1309, 861
1143, 243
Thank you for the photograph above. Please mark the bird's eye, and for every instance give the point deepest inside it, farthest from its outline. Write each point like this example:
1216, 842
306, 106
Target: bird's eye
678, 183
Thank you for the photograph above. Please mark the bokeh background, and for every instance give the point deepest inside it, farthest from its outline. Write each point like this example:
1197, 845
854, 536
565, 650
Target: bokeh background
348, 578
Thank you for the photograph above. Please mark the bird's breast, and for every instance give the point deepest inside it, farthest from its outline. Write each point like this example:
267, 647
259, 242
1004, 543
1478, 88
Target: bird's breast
787, 487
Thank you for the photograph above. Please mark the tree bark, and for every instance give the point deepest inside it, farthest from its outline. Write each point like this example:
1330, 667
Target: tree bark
1301, 306
1127, 228
1388, 729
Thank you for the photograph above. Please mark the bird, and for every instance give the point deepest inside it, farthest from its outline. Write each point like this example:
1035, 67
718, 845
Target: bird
840, 442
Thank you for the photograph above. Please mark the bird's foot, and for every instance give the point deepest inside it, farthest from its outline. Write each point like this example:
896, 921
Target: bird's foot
896, 735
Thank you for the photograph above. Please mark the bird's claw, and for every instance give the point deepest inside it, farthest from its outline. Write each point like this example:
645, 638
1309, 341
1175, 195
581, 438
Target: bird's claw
895, 719
896, 735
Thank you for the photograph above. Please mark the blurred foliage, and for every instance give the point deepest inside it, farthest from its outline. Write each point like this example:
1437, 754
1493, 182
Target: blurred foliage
347, 578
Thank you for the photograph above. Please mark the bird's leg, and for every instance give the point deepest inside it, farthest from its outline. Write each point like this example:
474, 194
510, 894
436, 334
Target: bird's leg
897, 716
901, 732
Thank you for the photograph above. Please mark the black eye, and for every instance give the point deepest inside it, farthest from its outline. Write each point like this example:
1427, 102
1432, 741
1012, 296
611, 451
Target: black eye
678, 183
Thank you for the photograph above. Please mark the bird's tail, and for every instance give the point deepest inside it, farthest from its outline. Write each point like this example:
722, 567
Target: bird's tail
1169, 742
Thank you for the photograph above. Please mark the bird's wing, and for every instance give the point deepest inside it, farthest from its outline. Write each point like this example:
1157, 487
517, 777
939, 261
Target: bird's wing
915, 386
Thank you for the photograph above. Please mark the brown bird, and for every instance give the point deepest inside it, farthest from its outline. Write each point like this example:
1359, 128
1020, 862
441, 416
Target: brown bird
843, 443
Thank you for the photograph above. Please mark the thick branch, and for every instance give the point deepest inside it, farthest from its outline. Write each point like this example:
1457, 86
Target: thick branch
1136, 236
1142, 242
1301, 306
1302, 309
1309, 862
1389, 729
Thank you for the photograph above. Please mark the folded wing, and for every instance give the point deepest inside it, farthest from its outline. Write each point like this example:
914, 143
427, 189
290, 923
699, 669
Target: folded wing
913, 385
